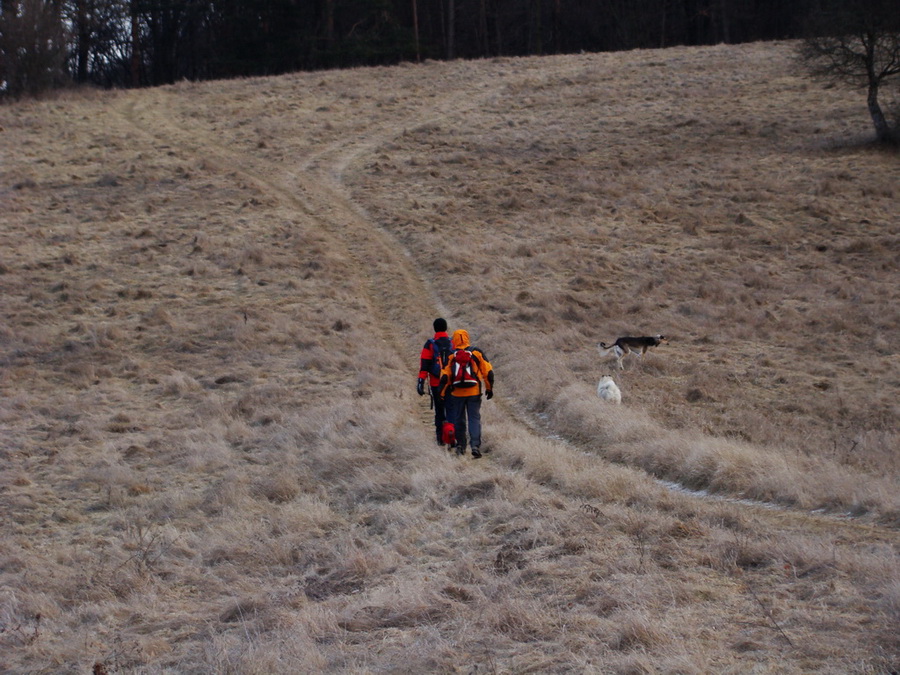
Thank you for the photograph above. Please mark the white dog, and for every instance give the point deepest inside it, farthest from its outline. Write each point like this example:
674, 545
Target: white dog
608, 391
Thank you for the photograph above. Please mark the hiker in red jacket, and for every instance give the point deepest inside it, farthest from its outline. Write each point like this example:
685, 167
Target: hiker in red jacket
432, 360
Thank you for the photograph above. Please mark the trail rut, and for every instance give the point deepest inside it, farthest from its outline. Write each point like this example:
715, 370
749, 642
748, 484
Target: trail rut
400, 295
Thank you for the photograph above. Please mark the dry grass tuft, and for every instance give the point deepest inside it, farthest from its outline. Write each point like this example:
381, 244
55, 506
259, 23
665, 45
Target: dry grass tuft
635, 632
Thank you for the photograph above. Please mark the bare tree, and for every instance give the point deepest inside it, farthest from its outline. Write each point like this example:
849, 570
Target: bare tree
32, 47
857, 42
99, 41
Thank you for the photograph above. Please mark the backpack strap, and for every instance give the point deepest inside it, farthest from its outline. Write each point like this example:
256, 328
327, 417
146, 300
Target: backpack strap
436, 363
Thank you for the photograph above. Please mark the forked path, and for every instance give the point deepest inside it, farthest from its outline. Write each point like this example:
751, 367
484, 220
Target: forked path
311, 184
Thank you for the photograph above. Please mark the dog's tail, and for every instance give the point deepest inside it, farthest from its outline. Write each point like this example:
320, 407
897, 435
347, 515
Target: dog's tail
605, 349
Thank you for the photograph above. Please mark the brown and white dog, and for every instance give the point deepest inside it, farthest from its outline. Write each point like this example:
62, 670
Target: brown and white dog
631, 345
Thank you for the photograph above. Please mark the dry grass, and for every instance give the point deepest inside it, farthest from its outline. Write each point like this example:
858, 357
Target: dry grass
214, 295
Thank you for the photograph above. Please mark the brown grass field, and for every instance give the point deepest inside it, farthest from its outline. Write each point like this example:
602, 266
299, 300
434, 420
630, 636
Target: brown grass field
212, 457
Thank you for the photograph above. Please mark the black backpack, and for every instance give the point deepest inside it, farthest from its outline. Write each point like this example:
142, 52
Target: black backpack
441, 349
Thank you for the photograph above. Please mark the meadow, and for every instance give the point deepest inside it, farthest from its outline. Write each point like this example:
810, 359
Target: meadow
212, 455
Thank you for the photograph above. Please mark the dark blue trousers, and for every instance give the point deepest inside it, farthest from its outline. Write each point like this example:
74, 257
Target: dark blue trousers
439, 412
465, 411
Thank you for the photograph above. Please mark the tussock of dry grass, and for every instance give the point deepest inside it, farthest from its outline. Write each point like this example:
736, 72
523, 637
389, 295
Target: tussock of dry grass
728, 467
213, 458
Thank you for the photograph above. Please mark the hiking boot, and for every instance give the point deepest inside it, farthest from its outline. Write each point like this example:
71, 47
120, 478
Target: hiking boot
476, 453
460, 450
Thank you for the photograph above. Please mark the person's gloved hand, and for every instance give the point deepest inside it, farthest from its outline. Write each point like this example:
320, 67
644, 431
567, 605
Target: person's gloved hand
420, 387
489, 394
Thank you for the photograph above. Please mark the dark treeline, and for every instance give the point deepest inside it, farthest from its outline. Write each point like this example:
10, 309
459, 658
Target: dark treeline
149, 42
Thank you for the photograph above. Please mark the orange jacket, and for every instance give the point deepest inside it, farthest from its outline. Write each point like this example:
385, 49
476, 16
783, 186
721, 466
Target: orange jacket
480, 366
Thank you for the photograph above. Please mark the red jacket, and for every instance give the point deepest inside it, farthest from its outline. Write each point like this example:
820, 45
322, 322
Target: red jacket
425, 361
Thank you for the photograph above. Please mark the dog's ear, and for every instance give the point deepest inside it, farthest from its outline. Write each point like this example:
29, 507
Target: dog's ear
663, 338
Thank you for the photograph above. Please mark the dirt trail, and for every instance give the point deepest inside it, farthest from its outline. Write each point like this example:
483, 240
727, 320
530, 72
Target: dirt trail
397, 293
400, 296
396, 290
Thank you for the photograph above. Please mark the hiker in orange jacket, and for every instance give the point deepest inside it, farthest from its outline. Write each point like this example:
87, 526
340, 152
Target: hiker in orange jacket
466, 376
431, 362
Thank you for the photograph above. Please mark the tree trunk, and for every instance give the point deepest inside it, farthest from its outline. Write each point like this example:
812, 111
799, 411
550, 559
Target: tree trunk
557, 30
726, 33
451, 29
882, 129
535, 42
662, 24
415, 17
498, 32
329, 23
83, 48
135, 48
483, 28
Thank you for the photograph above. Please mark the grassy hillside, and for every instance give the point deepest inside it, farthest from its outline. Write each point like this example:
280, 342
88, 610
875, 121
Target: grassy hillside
214, 296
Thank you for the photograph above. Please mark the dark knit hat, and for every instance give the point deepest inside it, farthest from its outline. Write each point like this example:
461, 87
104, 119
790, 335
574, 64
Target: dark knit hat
440, 325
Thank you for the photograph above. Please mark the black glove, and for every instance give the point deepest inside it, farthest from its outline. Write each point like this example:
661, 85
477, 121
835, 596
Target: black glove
420, 387
489, 394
